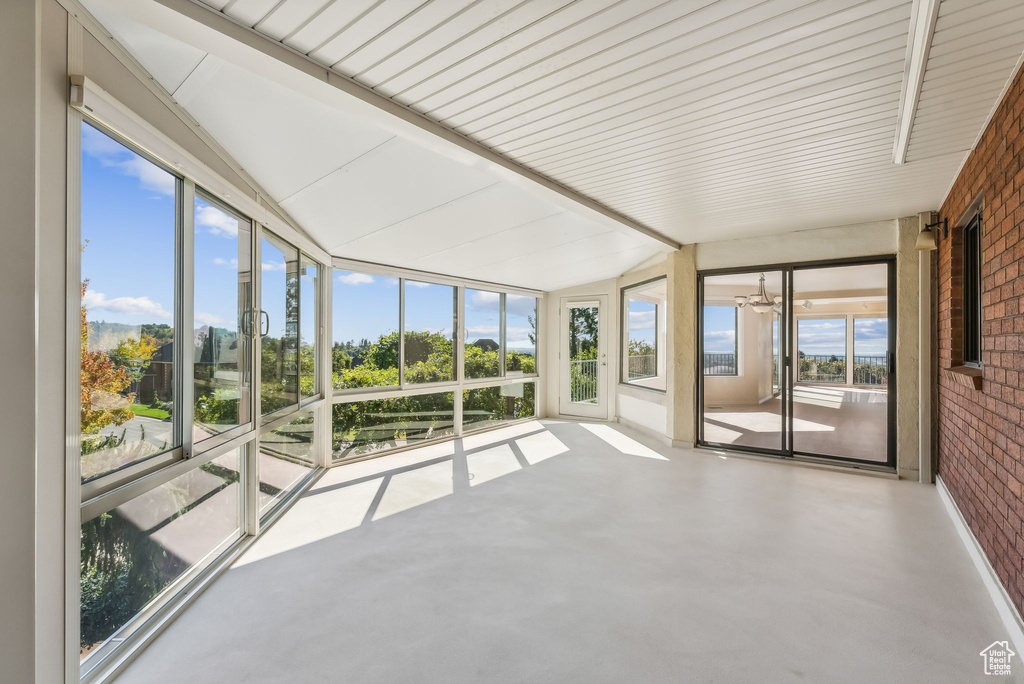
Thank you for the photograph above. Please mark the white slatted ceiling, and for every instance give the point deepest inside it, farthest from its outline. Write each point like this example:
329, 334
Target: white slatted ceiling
363, 193
975, 45
704, 120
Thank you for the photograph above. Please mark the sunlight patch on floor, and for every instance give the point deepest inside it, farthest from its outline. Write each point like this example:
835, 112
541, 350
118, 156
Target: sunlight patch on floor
491, 463
416, 487
306, 524
616, 439
540, 447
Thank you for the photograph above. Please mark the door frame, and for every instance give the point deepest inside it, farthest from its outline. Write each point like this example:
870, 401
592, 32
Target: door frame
577, 410
787, 379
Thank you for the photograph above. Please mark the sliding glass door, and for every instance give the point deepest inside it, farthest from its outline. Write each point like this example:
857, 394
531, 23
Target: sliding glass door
798, 361
741, 404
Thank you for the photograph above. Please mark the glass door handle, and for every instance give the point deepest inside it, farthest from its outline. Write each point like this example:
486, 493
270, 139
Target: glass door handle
266, 316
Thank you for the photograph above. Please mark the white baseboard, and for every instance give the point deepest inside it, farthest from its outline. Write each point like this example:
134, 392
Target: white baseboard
1008, 613
643, 429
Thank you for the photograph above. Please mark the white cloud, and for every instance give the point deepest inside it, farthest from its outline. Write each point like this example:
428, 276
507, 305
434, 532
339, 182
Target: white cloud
484, 300
478, 331
355, 279
142, 306
719, 341
416, 283
280, 266
225, 262
639, 320
520, 305
216, 221
111, 153
208, 318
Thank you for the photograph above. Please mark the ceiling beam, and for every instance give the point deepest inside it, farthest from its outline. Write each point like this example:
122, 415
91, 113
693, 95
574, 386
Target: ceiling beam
919, 43
216, 33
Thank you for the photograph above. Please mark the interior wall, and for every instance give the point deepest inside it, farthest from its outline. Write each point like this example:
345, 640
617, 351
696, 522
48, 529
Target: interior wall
635, 405
19, 31
979, 431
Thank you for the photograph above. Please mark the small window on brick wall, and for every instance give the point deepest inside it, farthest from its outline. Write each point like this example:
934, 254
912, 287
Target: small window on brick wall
972, 292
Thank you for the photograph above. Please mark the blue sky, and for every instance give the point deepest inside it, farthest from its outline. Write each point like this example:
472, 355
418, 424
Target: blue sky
366, 306
128, 223
719, 329
641, 320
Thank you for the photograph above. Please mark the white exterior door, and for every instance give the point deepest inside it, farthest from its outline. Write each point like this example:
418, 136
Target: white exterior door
583, 358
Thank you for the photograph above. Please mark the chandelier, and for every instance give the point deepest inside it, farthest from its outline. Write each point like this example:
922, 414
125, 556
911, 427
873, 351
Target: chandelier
761, 302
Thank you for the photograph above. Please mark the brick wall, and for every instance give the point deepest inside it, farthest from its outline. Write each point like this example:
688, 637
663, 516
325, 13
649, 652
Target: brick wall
980, 435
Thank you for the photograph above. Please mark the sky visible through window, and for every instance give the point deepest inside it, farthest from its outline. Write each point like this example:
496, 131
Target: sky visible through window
128, 233
641, 321
719, 329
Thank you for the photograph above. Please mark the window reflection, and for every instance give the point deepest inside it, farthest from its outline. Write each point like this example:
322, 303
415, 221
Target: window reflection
287, 455
366, 427
487, 406
132, 553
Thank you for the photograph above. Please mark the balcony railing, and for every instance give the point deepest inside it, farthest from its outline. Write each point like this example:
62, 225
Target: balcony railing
824, 368
870, 370
642, 366
583, 381
719, 363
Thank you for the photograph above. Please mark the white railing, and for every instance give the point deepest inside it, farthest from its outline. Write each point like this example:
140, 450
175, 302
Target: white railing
583, 381
642, 366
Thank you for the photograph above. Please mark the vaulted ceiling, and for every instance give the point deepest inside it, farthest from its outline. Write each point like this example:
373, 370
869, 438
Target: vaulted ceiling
699, 120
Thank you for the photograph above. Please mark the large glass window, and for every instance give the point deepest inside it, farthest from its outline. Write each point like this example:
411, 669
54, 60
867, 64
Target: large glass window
365, 330
309, 324
430, 312
365, 427
223, 302
483, 334
870, 344
128, 221
821, 349
287, 455
720, 348
489, 406
520, 334
280, 319
133, 553
643, 310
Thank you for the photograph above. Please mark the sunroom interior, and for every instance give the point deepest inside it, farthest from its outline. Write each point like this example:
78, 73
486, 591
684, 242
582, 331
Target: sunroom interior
503, 341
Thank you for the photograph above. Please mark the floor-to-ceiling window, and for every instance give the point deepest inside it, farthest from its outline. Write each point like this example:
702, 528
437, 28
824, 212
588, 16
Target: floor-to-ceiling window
167, 439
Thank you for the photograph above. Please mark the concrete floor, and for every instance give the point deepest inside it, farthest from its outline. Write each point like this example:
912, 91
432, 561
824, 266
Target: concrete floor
571, 552
827, 420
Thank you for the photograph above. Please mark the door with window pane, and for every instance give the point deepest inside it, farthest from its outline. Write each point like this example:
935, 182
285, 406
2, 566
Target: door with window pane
583, 366
279, 322
222, 335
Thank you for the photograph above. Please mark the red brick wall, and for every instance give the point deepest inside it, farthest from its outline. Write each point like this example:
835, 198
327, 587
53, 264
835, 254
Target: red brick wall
980, 435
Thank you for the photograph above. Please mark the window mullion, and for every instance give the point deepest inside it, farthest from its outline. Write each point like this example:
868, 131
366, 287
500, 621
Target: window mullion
502, 335
401, 333
184, 358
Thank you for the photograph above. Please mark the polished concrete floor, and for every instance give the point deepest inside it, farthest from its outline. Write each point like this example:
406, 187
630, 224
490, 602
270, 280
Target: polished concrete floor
827, 420
572, 552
